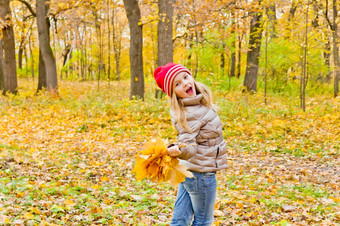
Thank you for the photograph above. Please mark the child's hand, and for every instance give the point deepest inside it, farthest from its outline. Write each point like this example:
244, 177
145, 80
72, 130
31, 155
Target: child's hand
174, 151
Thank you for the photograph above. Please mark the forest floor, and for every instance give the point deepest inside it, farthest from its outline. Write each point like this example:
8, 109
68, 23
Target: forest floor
68, 159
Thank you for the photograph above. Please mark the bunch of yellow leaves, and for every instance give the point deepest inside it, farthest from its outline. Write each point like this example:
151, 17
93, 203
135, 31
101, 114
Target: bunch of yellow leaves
155, 163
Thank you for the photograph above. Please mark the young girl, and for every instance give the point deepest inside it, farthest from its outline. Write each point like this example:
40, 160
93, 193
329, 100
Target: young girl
199, 127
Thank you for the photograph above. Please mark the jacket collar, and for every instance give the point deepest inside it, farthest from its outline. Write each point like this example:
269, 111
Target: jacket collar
190, 101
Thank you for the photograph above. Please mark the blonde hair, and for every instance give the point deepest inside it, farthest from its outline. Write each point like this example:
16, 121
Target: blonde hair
178, 107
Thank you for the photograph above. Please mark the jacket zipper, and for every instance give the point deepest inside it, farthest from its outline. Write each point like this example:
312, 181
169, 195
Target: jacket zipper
218, 152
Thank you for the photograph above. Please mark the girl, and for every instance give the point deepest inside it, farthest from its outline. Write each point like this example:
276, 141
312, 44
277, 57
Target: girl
199, 127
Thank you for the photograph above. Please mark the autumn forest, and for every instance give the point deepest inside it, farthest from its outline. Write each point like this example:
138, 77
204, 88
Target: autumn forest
79, 102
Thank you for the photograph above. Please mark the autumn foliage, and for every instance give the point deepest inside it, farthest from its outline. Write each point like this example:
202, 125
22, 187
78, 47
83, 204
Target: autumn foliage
156, 164
68, 160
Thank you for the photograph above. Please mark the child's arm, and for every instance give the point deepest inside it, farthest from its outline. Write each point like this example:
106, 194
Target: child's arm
188, 140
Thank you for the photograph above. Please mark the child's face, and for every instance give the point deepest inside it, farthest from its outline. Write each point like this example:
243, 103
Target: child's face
184, 85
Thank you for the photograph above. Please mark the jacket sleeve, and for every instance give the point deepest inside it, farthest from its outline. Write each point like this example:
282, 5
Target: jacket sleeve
187, 138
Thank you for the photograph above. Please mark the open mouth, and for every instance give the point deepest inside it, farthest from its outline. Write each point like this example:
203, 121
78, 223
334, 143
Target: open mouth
189, 91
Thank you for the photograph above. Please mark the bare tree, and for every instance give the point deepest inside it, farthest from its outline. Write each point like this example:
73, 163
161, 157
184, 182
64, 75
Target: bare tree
136, 49
9, 61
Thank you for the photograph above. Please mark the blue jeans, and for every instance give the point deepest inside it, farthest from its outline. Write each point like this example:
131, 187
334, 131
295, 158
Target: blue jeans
195, 196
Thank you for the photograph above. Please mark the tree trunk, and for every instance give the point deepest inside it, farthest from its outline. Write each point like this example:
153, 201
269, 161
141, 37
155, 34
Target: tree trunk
80, 65
65, 54
291, 16
335, 50
85, 52
45, 47
304, 64
164, 34
191, 41
136, 49
233, 45
233, 59
116, 45
265, 71
71, 65
26, 60
20, 53
154, 46
250, 80
42, 83
21, 44
99, 48
223, 58
31, 56
238, 74
1, 66
81, 49
327, 58
9, 66
90, 57
109, 41
271, 12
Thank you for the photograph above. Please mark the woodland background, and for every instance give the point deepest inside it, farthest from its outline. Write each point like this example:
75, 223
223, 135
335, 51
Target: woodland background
79, 103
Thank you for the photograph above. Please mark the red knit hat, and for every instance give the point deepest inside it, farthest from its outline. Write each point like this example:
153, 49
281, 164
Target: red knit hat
165, 76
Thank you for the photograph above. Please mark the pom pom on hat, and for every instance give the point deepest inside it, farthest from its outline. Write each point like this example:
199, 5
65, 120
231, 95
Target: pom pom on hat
165, 75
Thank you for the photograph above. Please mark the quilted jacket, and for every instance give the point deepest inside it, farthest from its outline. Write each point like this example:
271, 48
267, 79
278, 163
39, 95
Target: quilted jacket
205, 149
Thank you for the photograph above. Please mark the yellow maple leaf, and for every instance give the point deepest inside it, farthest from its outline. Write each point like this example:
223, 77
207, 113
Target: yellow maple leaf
153, 169
155, 146
165, 160
157, 165
139, 169
179, 174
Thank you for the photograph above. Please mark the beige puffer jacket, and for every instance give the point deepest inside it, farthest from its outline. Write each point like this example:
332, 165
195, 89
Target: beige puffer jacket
209, 152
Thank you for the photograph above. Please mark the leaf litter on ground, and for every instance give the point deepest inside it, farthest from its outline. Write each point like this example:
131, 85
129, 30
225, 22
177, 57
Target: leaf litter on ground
68, 160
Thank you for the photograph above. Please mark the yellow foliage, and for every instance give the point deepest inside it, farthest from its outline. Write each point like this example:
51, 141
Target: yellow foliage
157, 165
69, 202
29, 216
